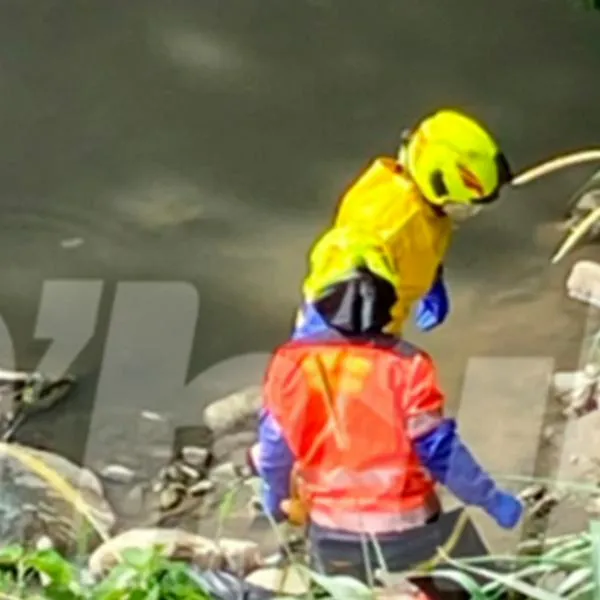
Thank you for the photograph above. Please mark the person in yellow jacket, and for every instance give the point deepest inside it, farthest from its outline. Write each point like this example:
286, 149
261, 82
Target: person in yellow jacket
447, 169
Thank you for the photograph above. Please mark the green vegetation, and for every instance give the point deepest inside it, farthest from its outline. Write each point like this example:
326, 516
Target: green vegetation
566, 568
143, 575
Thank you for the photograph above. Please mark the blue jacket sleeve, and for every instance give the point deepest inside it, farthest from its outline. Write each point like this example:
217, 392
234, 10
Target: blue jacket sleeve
275, 464
450, 462
433, 309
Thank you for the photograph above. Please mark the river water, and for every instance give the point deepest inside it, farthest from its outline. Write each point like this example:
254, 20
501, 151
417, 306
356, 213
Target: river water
207, 142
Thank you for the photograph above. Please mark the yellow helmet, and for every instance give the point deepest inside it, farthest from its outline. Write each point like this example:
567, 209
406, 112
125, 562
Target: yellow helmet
452, 158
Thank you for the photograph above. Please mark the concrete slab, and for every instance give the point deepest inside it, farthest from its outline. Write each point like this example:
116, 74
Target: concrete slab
495, 391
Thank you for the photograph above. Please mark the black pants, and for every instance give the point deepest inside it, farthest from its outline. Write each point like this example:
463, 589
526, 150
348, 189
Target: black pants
335, 552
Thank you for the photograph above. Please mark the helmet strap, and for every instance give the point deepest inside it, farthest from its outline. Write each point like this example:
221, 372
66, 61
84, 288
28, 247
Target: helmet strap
403, 149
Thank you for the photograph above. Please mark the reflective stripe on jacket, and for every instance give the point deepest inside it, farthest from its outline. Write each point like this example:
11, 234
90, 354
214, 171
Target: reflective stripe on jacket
349, 412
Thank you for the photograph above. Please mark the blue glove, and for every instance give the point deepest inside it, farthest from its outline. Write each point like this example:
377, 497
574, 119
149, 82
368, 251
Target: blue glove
447, 458
505, 509
433, 309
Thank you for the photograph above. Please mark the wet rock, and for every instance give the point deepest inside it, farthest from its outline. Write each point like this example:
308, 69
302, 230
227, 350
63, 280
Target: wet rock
290, 580
118, 473
200, 436
533, 493
241, 556
544, 506
231, 411
37, 478
171, 496
196, 456
583, 283
175, 544
562, 383
201, 488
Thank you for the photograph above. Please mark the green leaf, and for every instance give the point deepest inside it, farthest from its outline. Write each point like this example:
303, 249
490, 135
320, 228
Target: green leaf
595, 534
52, 564
227, 503
574, 580
11, 554
121, 577
512, 583
340, 587
154, 593
140, 558
61, 593
138, 594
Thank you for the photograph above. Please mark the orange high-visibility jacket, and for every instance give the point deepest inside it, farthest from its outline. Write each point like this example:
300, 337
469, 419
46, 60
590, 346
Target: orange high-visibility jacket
386, 203
349, 412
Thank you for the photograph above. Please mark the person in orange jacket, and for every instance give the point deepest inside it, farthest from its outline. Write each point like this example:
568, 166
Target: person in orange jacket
447, 169
361, 416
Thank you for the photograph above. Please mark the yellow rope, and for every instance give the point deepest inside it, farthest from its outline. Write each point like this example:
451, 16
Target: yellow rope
556, 164
56, 481
551, 166
576, 234
449, 545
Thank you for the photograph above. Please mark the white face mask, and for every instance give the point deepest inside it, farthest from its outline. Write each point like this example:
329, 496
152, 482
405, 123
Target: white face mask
459, 211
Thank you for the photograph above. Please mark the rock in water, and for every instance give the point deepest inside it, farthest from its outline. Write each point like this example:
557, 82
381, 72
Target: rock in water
231, 411
583, 283
24, 486
196, 456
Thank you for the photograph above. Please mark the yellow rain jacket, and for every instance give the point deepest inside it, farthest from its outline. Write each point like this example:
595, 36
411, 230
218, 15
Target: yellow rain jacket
386, 204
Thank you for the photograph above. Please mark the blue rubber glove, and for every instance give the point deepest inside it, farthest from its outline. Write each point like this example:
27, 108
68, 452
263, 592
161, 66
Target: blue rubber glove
433, 309
506, 509
450, 462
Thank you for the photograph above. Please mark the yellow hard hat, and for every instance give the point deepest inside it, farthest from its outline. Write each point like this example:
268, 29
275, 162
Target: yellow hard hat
339, 253
452, 158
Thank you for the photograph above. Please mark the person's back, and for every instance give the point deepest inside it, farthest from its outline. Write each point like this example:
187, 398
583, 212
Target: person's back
356, 481
361, 416
386, 203
447, 169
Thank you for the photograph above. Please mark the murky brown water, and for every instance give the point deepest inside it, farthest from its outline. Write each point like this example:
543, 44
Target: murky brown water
208, 141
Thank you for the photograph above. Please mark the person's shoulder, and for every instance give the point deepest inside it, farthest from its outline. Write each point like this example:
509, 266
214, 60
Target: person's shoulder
404, 348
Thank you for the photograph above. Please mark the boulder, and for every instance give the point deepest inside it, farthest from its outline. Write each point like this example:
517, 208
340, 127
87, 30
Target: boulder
583, 283
234, 410
44, 494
